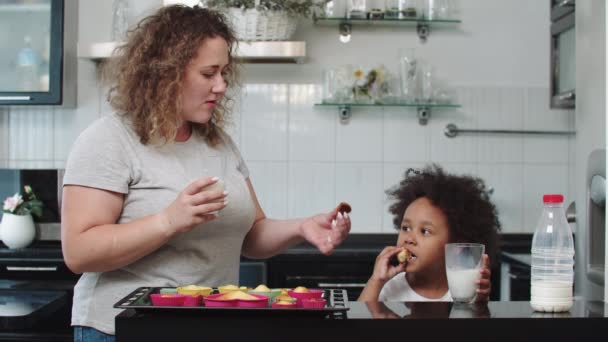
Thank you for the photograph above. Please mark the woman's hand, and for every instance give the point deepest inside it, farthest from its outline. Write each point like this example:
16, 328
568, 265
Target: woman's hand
326, 231
484, 284
383, 270
193, 206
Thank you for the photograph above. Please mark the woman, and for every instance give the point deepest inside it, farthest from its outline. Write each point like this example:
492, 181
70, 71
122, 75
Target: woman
137, 208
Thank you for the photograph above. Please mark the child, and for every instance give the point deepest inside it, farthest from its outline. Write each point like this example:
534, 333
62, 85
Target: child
433, 208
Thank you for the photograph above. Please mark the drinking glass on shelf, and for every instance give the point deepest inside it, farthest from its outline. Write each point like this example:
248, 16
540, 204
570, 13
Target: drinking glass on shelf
329, 85
426, 83
356, 9
443, 9
345, 80
334, 9
462, 263
391, 9
409, 9
407, 74
429, 9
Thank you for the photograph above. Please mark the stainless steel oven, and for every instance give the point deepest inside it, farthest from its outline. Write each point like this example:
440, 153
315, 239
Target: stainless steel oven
36, 290
36, 286
563, 54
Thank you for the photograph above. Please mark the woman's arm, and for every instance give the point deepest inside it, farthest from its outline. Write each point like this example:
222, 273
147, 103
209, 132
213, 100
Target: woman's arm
92, 241
269, 237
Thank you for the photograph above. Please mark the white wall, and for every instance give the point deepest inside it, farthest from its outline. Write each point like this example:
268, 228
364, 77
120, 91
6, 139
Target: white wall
498, 43
303, 160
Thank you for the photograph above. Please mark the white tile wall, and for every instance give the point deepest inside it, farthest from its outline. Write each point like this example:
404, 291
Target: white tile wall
4, 137
304, 161
264, 122
312, 131
328, 162
269, 180
361, 185
317, 181
31, 136
361, 139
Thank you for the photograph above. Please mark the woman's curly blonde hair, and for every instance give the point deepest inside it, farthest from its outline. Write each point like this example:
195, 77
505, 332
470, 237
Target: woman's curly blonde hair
147, 72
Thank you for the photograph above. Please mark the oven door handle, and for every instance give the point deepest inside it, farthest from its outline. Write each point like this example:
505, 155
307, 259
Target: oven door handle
32, 268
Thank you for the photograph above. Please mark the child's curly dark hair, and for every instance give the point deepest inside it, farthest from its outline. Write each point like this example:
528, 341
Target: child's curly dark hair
464, 200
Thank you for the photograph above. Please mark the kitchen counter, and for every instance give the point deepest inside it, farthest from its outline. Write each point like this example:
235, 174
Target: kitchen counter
370, 321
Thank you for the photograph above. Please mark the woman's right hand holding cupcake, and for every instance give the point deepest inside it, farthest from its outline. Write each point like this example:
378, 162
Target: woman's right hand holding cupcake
193, 206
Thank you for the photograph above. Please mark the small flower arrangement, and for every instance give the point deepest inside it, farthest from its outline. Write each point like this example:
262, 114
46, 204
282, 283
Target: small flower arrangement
294, 8
23, 205
372, 86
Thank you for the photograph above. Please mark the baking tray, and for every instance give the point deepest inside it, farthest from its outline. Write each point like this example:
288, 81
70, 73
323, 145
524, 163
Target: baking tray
139, 300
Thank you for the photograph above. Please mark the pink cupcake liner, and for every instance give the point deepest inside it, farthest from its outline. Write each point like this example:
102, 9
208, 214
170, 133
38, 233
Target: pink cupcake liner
313, 293
212, 301
167, 299
313, 303
192, 300
276, 305
260, 302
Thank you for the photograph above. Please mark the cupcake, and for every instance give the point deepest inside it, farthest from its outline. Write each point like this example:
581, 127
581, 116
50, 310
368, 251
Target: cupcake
193, 290
284, 305
168, 290
265, 291
230, 288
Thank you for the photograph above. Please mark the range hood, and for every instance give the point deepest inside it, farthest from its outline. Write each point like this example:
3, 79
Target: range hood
248, 52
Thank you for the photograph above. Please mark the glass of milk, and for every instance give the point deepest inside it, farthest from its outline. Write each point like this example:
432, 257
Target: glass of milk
462, 263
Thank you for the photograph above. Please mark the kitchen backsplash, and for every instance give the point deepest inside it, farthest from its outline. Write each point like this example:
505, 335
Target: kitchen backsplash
303, 160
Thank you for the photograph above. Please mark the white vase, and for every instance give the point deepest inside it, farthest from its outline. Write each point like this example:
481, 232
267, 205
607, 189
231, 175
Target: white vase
17, 231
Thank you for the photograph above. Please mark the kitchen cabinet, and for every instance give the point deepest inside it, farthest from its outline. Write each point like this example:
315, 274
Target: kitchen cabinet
563, 54
38, 59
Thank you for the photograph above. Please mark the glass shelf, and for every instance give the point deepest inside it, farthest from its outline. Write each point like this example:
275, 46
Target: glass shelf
385, 21
423, 25
424, 109
417, 105
25, 7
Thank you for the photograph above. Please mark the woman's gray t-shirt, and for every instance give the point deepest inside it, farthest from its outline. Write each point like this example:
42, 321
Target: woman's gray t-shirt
108, 155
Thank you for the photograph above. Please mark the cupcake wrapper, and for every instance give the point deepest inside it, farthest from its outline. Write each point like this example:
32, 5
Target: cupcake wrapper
313, 304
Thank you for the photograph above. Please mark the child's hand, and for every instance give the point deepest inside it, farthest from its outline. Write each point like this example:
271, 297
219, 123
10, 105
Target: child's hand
485, 286
383, 270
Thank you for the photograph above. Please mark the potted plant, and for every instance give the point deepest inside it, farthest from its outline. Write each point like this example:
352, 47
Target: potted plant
257, 20
17, 229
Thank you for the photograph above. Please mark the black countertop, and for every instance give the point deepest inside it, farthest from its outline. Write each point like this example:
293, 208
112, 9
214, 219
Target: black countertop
367, 321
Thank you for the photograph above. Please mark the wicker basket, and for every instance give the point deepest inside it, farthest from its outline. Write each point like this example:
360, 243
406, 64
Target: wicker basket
253, 25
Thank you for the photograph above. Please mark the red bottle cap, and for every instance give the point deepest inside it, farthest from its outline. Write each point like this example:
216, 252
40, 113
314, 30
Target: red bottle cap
553, 198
